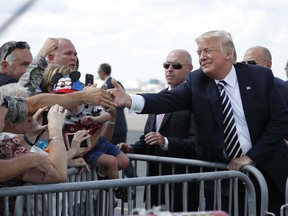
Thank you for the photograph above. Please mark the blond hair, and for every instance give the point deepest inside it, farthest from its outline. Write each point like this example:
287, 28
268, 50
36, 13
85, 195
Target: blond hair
49, 73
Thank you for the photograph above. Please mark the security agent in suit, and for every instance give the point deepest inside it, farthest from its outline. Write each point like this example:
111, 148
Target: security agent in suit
173, 136
260, 112
120, 128
261, 56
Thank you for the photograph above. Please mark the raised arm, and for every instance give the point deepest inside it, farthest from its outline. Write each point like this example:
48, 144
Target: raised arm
91, 95
57, 150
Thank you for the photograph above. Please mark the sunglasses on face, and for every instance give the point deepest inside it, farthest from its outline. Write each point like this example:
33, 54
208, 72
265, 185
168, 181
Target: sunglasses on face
175, 65
19, 44
251, 62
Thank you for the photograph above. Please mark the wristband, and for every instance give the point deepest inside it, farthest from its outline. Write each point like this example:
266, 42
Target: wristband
27, 140
54, 138
111, 123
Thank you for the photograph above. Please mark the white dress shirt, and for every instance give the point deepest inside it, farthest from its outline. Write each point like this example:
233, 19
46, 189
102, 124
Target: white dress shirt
232, 90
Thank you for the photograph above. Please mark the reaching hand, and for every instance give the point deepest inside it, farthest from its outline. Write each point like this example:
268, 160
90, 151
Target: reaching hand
125, 147
96, 96
120, 97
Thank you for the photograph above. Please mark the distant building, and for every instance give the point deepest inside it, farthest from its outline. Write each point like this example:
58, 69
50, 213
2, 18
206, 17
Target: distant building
153, 85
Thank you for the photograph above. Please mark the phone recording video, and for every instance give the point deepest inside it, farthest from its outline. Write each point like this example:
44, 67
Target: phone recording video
44, 118
89, 79
68, 140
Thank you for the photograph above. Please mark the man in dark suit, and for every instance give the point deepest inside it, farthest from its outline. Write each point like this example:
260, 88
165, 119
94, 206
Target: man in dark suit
173, 135
261, 56
260, 113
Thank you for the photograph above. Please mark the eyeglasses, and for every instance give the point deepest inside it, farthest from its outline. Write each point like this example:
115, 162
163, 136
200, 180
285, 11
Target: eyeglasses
251, 62
175, 65
19, 44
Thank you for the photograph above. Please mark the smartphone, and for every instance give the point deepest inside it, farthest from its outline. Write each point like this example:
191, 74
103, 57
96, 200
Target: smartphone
68, 140
89, 79
44, 118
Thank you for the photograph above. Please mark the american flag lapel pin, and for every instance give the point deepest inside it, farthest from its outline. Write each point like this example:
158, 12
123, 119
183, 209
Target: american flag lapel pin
248, 88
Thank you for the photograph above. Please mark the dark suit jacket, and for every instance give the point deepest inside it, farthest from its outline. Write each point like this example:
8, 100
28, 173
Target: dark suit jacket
120, 124
179, 128
264, 108
281, 84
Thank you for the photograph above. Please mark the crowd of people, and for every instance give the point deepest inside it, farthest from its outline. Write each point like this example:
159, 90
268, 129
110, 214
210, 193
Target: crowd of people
225, 111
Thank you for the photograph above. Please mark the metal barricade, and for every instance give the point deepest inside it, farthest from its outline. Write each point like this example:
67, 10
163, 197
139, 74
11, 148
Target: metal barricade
77, 199
106, 208
98, 200
284, 208
247, 169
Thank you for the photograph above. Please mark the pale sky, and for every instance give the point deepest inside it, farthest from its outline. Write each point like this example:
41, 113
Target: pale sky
135, 36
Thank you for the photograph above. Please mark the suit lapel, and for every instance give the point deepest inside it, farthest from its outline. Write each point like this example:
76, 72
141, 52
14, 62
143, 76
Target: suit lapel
247, 93
165, 119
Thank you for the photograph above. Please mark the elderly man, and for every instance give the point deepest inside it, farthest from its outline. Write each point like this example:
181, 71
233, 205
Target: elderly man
241, 117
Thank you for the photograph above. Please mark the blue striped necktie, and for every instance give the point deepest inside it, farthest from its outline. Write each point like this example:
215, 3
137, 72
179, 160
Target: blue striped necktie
231, 140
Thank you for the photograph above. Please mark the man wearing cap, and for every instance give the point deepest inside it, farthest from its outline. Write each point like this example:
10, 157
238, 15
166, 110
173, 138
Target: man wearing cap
15, 57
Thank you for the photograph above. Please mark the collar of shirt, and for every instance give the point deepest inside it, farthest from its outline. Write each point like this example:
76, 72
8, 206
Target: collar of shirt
105, 80
231, 78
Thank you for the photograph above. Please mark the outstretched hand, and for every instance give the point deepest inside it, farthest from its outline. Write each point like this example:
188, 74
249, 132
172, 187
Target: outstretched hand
121, 99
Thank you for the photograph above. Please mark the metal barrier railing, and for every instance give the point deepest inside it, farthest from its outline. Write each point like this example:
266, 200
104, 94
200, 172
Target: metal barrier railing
100, 196
88, 187
284, 208
248, 169
73, 176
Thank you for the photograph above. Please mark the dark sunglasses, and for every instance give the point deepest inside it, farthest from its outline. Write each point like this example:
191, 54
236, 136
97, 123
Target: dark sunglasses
19, 44
251, 62
176, 66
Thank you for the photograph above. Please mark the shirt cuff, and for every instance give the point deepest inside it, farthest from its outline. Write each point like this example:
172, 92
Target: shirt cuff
138, 103
165, 147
